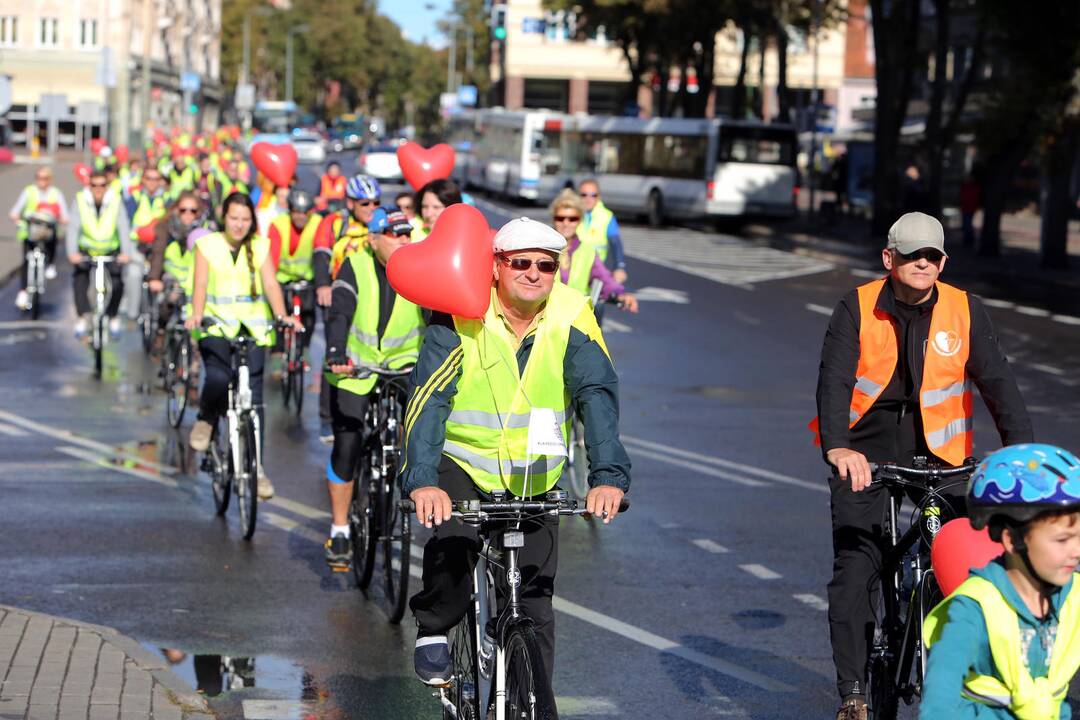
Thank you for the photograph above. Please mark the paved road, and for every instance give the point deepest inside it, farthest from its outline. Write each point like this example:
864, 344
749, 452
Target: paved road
705, 600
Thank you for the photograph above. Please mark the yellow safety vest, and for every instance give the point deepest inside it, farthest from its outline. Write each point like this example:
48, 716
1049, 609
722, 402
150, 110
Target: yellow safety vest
180, 263
296, 267
147, 210
399, 345
33, 201
581, 263
228, 289
351, 237
1025, 697
487, 431
419, 233
593, 230
182, 180
98, 234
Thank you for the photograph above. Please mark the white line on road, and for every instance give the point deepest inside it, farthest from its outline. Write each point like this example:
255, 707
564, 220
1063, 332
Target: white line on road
1003, 304
814, 307
1032, 311
1066, 319
872, 274
698, 467
291, 526
709, 546
12, 430
299, 508
275, 709
655, 294
760, 571
27, 324
813, 601
617, 326
103, 462
586, 706
1047, 369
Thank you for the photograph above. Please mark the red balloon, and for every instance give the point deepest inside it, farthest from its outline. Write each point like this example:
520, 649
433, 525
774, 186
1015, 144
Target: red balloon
82, 173
957, 549
420, 166
449, 270
122, 154
146, 232
277, 162
96, 144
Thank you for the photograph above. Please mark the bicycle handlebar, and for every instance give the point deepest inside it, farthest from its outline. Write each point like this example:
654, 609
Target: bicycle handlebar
479, 509
891, 472
362, 371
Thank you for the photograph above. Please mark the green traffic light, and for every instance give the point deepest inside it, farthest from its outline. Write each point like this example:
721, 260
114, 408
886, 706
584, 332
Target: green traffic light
500, 33
193, 109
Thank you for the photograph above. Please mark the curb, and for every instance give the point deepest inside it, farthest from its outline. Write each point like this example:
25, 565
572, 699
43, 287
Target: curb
181, 692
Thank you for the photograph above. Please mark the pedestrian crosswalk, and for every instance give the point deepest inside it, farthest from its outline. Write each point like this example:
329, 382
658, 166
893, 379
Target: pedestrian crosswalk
722, 258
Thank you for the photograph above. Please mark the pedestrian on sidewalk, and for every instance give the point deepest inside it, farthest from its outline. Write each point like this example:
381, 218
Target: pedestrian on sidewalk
970, 201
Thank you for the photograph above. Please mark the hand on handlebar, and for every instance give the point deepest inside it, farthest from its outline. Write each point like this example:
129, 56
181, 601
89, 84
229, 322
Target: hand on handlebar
155, 286
853, 465
296, 322
122, 259
433, 505
627, 301
193, 321
339, 368
603, 502
75, 258
324, 296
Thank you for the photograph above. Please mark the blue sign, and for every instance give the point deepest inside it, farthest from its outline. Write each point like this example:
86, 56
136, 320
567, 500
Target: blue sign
536, 26
190, 81
466, 95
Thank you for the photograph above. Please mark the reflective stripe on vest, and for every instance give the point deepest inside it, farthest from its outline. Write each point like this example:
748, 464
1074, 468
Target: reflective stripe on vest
98, 232
1027, 698
487, 430
147, 210
228, 289
593, 231
945, 398
400, 342
581, 264
298, 266
180, 264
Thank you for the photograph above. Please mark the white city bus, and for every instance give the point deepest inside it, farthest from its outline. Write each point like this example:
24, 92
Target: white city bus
500, 151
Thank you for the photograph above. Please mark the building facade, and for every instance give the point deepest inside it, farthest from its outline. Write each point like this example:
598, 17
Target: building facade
77, 68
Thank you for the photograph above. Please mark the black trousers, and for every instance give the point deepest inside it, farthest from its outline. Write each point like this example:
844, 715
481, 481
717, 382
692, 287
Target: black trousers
81, 280
858, 540
217, 371
449, 557
347, 412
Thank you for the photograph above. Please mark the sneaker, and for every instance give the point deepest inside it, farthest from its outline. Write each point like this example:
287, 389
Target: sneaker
115, 325
199, 439
326, 434
50, 272
81, 326
338, 553
22, 300
266, 488
853, 708
431, 660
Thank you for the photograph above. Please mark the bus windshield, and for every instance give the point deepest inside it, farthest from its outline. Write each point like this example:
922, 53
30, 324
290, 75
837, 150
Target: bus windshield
762, 145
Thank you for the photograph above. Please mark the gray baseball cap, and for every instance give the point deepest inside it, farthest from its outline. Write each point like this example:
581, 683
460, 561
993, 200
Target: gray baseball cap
915, 231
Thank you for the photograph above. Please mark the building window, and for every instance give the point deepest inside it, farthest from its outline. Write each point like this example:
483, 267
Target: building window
9, 31
48, 32
88, 37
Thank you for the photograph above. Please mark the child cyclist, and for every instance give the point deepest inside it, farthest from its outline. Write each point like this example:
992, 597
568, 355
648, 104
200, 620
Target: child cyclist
1006, 643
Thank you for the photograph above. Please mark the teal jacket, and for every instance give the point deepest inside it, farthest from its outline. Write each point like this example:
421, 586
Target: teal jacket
965, 645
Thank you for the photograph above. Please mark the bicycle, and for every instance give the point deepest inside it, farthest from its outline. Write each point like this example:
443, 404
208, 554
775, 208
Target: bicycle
41, 231
908, 589
235, 453
497, 668
292, 376
103, 290
375, 515
149, 319
176, 360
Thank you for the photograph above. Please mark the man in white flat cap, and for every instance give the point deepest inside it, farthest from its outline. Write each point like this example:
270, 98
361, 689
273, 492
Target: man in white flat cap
491, 413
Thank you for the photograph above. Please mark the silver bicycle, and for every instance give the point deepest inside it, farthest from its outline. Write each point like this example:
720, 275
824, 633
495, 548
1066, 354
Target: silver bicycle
41, 231
102, 289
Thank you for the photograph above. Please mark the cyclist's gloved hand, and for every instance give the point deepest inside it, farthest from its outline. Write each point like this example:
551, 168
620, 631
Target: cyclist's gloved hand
433, 506
851, 464
336, 362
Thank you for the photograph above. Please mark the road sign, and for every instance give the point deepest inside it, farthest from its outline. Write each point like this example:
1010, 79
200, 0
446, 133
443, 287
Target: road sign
533, 26
5, 93
466, 95
245, 96
190, 82
88, 112
52, 106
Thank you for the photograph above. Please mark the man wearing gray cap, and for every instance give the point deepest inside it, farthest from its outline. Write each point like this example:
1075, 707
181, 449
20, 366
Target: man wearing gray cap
897, 367
536, 358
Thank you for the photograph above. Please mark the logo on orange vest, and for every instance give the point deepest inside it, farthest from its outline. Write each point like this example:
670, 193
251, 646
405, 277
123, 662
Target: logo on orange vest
945, 343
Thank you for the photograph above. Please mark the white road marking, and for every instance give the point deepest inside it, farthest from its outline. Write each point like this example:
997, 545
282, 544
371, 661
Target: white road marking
1004, 304
585, 706
275, 709
871, 274
26, 324
1047, 369
730, 464
814, 307
616, 326
813, 601
103, 462
760, 571
291, 526
299, 508
698, 467
655, 294
12, 430
1032, 311
1066, 319
709, 546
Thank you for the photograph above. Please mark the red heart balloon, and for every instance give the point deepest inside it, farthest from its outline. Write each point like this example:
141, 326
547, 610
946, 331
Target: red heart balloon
449, 270
82, 173
277, 162
96, 144
957, 549
420, 166
146, 232
122, 154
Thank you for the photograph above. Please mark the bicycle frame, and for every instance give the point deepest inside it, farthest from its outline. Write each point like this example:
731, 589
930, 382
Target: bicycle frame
35, 268
240, 404
102, 293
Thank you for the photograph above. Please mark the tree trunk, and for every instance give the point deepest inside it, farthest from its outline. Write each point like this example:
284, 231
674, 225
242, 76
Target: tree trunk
738, 99
935, 149
995, 189
782, 100
1055, 198
635, 64
763, 46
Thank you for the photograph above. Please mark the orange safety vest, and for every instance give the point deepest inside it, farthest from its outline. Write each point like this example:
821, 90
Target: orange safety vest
332, 188
945, 397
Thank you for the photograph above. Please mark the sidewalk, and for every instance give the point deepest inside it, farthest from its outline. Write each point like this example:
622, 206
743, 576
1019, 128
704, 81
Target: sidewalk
13, 178
57, 669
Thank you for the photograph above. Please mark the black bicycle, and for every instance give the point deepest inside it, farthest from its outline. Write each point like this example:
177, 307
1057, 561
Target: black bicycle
292, 374
497, 668
177, 360
908, 589
375, 514
149, 319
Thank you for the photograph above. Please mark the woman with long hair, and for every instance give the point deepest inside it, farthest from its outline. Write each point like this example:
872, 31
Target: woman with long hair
235, 288
430, 201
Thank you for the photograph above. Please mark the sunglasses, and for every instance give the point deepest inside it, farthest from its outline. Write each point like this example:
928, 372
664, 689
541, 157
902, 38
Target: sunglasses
590, 194
567, 218
522, 264
930, 255
367, 203
188, 211
99, 186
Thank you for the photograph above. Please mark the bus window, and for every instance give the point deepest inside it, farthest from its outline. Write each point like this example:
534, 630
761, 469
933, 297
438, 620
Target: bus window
765, 146
676, 156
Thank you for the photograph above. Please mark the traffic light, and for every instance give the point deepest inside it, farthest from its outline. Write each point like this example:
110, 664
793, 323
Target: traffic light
498, 21
193, 109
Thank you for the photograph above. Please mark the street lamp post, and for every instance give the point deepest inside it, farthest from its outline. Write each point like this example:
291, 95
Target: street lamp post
289, 59
812, 169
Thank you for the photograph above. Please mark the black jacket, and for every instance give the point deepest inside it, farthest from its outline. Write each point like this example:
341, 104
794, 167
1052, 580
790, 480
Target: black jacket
891, 430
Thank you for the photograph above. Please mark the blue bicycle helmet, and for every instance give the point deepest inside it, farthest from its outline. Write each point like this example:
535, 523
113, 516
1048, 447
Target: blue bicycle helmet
363, 187
1019, 482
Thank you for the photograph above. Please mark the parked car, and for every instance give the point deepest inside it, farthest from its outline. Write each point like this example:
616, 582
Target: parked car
380, 161
310, 147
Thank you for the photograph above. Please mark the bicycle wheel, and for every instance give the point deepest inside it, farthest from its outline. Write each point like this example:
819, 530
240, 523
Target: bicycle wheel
528, 694
220, 461
928, 595
363, 517
100, 328
462, 640
286, 383
577, 463
397, 551
179, 379
36, 285
296, 379
146, 319
247, 479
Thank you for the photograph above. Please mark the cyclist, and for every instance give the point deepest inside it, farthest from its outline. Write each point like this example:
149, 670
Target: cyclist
332, 187
235, 286
292, 244
580, 263
381, 328
145, 207
432, 199
39, 197
170, 254
276, 205
1002, 645
184, 174
405, 203
537, 357
895, 382
98, 226
225, 183
341, 234
600, 230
